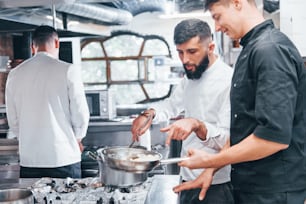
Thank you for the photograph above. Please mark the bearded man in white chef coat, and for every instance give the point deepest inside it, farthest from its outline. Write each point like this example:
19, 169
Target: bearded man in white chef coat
47, 110
203, 95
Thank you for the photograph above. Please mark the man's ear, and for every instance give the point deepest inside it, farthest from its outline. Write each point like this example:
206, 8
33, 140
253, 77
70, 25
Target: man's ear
237, 4
33, 50
57, 43
211, 47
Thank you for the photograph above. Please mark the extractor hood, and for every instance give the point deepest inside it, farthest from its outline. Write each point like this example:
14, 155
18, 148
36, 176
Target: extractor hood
92, 17
79, 16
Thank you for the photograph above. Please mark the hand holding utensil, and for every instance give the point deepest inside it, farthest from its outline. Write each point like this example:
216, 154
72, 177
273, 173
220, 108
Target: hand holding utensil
142, 126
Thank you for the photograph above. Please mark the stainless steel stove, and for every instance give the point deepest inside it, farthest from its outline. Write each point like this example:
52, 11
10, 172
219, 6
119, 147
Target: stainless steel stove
155, 190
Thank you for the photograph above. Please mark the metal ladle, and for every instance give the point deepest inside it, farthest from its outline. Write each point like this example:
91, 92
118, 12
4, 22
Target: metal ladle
143, 125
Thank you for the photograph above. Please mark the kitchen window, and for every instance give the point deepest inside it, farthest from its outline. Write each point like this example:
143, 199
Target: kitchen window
130, 64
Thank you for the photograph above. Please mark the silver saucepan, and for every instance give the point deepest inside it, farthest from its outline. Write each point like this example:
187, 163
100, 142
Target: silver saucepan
133, 159
116, 178
16, 196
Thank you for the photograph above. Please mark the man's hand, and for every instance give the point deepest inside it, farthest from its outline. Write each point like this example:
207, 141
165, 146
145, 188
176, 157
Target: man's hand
141, 124
81, 145
197, 159
181, 129
203, 181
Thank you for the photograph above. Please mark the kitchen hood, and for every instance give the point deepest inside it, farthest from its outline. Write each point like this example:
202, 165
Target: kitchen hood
92, 17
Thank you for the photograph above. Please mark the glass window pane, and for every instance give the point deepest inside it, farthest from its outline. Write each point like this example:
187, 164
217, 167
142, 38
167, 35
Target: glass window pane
162, 73
155, 47
151, 69
124, 70
123, 45
128, 93
157, 90
96, 87
91, 50
94, 71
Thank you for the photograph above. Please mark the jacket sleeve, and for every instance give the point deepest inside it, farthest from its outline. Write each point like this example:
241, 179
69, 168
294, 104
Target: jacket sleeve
78, 104
218, 133
11, 112
171, 106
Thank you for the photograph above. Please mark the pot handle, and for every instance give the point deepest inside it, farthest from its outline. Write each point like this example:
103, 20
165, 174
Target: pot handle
173, 160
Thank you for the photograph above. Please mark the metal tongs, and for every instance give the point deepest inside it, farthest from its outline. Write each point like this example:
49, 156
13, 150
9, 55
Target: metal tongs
143, 125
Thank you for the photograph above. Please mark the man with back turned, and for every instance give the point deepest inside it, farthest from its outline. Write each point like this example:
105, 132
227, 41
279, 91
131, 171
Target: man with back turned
47, 110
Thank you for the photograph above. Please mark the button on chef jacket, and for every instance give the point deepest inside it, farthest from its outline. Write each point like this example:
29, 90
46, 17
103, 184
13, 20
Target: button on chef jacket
47, 111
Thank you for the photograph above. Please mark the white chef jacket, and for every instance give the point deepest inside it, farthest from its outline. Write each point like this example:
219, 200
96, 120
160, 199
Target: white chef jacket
206, 99
47, 111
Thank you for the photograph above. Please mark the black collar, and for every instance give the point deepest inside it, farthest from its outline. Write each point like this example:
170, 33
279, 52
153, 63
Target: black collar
256, 31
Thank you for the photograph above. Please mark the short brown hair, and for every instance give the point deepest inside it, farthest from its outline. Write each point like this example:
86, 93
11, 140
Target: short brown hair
43, 34
209, 3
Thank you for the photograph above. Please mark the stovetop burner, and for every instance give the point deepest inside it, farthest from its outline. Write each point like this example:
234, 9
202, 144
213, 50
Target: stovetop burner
87, 190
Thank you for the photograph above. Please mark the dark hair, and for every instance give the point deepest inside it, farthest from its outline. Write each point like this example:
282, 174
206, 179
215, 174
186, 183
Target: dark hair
209, 3
43, 34
190, 28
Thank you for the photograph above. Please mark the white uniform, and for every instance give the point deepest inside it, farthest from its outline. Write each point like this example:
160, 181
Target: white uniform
47, 111
206, 99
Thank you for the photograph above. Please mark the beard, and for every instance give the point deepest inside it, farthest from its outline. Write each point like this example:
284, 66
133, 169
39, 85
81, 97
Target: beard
193, 75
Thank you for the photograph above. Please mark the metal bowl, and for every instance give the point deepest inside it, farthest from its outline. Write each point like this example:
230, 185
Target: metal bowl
16, 196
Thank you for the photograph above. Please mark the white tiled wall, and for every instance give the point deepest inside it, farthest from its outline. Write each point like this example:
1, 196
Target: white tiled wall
292, 22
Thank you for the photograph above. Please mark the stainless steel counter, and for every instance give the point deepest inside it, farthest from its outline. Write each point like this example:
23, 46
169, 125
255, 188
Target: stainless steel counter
9, 160
161, 190
118, 133
19, 183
